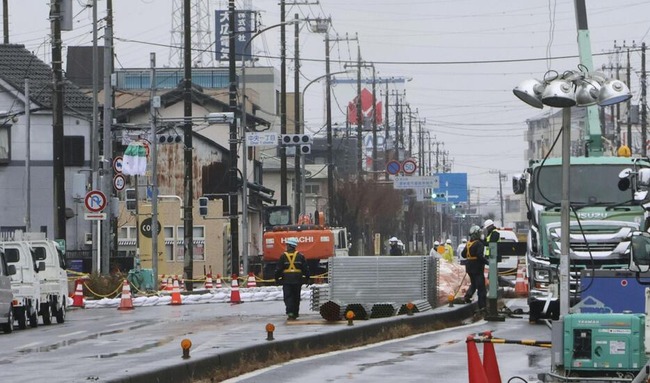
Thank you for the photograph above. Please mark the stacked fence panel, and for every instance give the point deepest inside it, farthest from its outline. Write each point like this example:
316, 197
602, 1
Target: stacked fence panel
369, 280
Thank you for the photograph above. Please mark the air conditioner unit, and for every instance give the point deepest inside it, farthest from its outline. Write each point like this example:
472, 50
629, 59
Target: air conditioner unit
88, 238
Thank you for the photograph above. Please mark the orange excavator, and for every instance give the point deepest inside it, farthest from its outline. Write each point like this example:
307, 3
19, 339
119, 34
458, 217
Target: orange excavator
316, 240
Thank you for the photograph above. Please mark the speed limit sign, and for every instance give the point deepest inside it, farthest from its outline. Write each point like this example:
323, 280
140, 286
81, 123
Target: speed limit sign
409, 166
119, 182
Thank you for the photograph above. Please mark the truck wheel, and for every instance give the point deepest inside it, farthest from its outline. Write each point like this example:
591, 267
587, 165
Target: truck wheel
21, 317
8, 328
46, 313
33, 318
60, 314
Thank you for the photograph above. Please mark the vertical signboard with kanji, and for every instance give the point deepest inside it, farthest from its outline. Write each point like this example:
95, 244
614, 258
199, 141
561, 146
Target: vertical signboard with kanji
244, 26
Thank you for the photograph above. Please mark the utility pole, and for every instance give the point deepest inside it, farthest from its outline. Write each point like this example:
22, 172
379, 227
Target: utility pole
644, 109
386, 128
297, 158
5, 21
188, 223
154, 173
107, 147
283, 103
58, 169
233, 209
359, 119
328, 118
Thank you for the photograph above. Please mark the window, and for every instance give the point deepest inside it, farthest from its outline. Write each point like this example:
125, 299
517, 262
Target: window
312, 189
5, 143
168, 232
73, 150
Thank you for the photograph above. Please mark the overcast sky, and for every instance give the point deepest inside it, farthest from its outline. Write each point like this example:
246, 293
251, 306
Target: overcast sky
463, 57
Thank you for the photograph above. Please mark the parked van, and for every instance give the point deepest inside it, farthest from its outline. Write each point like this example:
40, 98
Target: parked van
54, 280
6, 295
25, 283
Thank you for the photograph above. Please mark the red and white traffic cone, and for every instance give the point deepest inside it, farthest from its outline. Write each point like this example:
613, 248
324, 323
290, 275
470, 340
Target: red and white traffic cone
218, 281
208, 282
126, 303
234, 291
78, 299
251, 280
176, 294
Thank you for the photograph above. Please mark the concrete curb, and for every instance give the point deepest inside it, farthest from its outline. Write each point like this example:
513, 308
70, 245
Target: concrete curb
195, 368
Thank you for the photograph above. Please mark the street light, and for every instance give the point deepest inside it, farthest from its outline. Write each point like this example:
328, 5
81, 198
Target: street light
572, 88
302, 125
245, 146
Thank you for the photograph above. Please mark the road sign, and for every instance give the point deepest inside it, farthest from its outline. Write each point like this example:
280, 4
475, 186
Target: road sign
145, 227
94, 216
415, 182
95, 201
119, 182
393, 167
262, 139
409, 166
117, 164
453, 186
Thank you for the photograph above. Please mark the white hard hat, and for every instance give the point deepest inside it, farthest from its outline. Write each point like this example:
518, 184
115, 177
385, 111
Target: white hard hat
436, 243
464, 240
393, 239
488, 223
448, 241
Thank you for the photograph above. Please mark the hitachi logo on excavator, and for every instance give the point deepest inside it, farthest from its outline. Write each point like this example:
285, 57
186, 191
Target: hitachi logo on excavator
309, 239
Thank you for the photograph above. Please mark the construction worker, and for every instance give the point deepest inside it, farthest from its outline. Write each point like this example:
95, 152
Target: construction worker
475, 263
434, 250
292, 271
460, 247
448, 253
395, 248
491, 235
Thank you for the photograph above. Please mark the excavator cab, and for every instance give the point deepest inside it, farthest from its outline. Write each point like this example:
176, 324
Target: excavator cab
277, 216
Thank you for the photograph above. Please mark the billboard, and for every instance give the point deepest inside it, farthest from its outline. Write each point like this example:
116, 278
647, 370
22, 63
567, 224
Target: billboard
244, 26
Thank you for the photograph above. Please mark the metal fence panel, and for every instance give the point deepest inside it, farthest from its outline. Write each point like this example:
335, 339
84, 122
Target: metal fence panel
382, 279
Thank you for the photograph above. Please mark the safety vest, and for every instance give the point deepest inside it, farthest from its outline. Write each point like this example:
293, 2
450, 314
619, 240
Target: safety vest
468, 255
292, 266
486, 251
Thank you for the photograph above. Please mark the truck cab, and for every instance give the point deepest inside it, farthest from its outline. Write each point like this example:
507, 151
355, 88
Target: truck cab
604, 212
25, 283
53, 280
6, 295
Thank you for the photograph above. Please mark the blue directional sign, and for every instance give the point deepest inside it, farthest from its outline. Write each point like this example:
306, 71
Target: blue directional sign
452, 188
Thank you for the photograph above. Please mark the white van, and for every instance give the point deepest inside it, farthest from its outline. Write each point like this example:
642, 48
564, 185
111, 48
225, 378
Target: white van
6, 295
25, 283
54, 280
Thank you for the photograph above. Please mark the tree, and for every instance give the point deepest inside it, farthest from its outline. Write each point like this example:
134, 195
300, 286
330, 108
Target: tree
366, 207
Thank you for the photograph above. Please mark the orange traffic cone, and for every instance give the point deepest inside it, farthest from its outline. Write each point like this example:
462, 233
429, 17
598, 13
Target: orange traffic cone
208, 282
218, 282
490, 363
234, 291
126, 303
78, 299
251, 280
474, 366
176, 294
521, 286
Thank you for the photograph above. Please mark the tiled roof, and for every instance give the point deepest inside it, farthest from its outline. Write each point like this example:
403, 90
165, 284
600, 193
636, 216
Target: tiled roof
17, 63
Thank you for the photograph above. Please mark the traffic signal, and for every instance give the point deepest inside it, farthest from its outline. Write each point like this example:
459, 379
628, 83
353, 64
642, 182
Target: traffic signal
169, 139
438, 195
296, 139
130, 199
305, 149
203, 206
